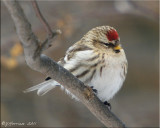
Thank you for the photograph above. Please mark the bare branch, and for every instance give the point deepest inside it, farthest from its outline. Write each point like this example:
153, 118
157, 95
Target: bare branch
47, 66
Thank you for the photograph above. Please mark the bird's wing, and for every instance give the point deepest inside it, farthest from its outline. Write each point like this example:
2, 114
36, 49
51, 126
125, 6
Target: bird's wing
81, 61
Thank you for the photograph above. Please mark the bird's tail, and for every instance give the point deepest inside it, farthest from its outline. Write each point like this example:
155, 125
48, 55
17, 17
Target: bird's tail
43, 87
46, 86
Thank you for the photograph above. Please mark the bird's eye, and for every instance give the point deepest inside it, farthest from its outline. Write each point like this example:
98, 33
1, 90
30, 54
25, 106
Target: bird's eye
106, 44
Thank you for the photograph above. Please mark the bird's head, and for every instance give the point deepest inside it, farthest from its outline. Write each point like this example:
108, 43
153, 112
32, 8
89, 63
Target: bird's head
106, 35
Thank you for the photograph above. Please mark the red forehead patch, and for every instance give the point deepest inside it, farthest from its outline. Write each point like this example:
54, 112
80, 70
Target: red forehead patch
112, 35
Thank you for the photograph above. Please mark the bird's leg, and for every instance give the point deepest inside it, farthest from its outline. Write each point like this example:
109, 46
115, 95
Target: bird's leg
108, 105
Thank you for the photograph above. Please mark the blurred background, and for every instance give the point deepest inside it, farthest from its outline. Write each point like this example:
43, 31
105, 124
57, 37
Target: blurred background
136, 104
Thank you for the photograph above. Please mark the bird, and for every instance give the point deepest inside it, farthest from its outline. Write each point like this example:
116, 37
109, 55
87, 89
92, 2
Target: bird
98, 60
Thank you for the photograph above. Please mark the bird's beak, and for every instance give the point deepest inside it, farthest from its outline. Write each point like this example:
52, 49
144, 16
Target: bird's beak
118, 47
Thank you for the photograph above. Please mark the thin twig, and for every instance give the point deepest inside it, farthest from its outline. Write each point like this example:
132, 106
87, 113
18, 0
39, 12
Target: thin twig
42, 19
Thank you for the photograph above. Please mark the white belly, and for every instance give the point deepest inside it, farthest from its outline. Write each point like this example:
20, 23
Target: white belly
111, 80
112, 77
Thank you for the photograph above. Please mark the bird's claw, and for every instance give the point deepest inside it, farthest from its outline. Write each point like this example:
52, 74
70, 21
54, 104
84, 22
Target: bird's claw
94, 90
108, 105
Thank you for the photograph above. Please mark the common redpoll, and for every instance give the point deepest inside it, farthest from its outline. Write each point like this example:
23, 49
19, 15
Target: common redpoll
98, 60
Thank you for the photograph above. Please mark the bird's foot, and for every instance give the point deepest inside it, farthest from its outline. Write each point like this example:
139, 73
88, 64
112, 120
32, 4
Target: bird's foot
94, 90
108, 105
48, 78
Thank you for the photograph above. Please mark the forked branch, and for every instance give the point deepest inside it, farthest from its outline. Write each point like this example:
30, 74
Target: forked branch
41, 63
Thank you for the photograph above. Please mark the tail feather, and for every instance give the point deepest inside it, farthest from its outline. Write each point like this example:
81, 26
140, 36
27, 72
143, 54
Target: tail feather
46, 86
43, 87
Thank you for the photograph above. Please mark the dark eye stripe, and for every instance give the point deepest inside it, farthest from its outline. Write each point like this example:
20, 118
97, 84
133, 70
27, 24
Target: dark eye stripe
109, 44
